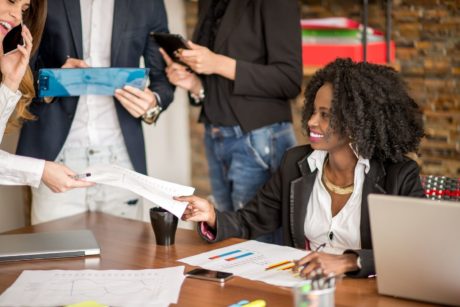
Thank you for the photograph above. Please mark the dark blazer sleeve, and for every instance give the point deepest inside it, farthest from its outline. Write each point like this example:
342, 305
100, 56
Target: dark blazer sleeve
281, 76
153, 59
260, 216
402, 179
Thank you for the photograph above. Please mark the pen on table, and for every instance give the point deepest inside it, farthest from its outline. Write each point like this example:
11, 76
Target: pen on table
278, 264
81, 176
256, 303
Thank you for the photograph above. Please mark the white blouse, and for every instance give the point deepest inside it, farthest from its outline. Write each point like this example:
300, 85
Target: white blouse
15, 170
342, 231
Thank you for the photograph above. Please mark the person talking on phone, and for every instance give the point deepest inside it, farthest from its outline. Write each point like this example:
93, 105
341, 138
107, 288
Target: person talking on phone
16, 93
244, 65
89, 130
362, 124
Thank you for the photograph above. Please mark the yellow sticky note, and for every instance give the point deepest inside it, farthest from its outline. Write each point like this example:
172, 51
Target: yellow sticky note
87, 304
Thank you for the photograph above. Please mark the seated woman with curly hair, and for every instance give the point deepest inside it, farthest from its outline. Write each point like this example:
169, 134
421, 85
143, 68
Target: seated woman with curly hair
361, 124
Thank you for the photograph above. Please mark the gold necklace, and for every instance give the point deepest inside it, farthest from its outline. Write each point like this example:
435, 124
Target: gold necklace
335, 188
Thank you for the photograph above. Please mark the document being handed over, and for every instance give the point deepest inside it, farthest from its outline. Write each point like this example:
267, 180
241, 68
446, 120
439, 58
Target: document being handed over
157, 191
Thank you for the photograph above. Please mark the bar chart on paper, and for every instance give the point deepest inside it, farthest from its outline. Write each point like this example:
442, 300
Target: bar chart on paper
253, 260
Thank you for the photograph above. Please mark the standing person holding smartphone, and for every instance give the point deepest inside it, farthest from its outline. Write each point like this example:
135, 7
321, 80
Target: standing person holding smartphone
88, 130
17, 91
247, 64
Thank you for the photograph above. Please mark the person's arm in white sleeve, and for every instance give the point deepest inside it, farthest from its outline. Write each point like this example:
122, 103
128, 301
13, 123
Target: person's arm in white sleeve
18, 170
8, 102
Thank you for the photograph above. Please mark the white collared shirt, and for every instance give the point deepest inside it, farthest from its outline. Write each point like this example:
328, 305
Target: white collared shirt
15, 170
96, 122
345, 226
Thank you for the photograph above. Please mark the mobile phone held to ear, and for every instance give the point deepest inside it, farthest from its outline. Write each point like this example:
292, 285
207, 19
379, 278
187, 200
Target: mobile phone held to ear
209, 275
12, 39
170, 43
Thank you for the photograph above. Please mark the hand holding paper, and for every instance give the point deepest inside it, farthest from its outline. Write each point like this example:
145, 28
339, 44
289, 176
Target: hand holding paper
158, 191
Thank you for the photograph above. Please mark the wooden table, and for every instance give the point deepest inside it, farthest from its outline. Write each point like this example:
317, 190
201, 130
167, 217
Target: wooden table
130, 245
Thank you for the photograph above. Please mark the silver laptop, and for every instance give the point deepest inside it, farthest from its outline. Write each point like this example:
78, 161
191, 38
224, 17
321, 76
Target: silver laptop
44, 245
416, 248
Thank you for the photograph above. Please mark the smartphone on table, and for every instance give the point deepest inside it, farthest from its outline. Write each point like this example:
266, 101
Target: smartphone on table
209, 275
170, 43
12, 39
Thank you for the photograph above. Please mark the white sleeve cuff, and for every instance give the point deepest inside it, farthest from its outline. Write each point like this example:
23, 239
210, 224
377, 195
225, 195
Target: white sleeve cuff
8, 101
158, 98
18, 170
9, 93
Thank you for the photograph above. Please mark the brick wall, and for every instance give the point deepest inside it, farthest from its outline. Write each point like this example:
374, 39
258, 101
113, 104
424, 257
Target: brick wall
427, 36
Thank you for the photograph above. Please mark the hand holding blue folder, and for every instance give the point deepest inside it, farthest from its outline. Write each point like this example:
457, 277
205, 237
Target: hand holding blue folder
64, 82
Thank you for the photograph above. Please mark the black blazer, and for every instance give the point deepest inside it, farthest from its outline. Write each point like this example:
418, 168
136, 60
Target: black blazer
283, 201
264, 37
62, 37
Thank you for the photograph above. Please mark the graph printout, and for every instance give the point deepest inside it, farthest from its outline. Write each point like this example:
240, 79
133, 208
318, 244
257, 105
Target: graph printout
253, 260
130, 288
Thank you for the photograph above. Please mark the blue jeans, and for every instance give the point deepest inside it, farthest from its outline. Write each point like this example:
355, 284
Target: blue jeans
240, 163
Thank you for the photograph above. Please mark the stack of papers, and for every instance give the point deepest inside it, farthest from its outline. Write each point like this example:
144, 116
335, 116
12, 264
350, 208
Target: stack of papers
253, 260
158, 191
130, 288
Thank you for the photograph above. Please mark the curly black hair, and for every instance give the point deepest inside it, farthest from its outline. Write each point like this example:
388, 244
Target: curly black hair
370, 105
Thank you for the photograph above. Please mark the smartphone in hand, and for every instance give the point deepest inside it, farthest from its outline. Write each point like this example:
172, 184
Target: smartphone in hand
209, 275
12, 39
170, 43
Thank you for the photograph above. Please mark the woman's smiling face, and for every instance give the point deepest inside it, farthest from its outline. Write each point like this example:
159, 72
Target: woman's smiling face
11, 12
321, 136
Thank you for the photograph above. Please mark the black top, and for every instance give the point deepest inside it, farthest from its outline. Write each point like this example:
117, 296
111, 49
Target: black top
264, 38
217, 110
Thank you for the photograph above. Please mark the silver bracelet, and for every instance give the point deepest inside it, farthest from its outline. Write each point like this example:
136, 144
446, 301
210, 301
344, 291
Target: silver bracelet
198, 98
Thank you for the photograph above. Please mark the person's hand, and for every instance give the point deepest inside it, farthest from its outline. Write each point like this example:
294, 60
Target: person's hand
58, 178
200, 59
325, 263
198, 210
14, 64
181, 76
69, 63
136, 101
74, 63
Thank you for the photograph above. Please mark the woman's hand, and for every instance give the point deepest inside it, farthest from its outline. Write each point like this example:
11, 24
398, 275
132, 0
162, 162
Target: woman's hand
200, 59
180, 75
14, 65
326, 263
203, 61
59, 179
198, 210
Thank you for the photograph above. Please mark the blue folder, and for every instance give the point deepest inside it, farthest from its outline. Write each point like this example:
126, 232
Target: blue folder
64, 82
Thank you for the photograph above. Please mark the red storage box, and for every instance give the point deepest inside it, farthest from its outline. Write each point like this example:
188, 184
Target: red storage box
322, 54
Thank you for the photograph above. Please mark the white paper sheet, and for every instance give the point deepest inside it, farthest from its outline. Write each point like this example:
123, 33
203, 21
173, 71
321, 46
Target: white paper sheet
254, 259
130, 288
158, 191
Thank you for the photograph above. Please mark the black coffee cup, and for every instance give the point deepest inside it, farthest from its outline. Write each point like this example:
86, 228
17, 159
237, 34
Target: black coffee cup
164, 225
